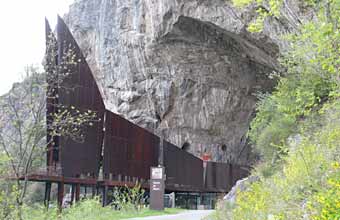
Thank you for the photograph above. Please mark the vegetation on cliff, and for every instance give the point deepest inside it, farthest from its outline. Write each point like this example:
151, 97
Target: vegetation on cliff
297, 127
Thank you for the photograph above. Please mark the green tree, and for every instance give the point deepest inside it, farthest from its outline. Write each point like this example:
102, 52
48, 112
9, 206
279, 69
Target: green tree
297, 126
310, 78
23, 126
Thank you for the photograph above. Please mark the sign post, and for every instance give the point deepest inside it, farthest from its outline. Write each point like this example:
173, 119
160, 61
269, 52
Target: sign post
157, 188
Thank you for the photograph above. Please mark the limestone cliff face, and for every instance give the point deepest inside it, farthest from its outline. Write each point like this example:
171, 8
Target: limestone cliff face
186, 69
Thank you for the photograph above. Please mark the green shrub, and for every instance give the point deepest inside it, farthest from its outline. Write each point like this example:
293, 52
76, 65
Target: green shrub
310, 78
325, 205
307, 184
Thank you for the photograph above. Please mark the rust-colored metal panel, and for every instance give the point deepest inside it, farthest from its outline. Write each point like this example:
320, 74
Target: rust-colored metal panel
210, 176
129, 150
221, 177
218, 177
78, 89
183, 170
237, 173
51, 93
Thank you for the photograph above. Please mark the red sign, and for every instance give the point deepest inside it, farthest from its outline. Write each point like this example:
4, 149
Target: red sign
206, 157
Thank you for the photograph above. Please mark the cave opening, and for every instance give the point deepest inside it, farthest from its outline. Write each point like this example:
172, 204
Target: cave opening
186, 146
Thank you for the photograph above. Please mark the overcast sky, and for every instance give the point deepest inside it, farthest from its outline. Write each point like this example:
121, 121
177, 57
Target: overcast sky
22, 36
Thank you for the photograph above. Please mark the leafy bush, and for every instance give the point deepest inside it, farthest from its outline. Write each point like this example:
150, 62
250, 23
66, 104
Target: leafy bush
310, 78
127, 203
326, 203
90, 209
297, 129
128, 200
308, 185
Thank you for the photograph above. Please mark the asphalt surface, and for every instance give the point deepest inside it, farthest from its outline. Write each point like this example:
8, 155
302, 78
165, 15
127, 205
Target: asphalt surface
186, 215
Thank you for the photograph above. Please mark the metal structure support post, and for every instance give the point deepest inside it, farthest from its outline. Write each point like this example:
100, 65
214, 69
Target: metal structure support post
93, 191
72, 193
161, 151
97, 190
105, 189
60, 195
231, 175
77, 192
47, 198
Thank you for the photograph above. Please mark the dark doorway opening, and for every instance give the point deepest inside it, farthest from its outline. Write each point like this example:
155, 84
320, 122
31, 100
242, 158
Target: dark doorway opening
186, 146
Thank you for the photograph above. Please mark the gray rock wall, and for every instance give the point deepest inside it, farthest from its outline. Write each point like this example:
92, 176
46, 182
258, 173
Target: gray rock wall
185, 69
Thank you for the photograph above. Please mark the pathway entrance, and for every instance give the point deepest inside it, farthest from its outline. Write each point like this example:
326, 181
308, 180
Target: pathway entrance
187, 215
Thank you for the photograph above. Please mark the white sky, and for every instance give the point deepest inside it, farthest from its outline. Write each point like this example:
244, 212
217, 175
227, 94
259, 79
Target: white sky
22, 35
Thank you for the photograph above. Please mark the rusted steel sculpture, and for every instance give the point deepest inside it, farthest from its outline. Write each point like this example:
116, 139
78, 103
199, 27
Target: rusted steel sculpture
129, 150
118, 149
51, 63
184, 171
219, 176
78, 90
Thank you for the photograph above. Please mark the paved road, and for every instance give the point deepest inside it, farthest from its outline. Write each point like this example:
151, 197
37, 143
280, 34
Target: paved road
186, 215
